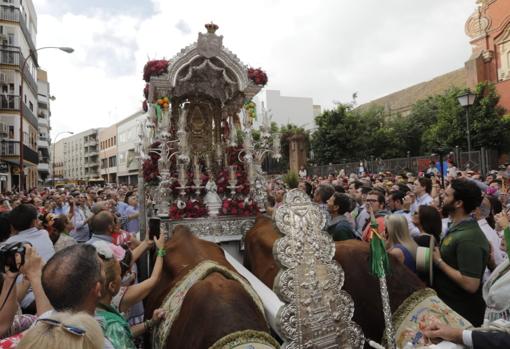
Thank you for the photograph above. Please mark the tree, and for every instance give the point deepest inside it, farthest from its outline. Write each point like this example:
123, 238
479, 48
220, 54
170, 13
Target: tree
356, 134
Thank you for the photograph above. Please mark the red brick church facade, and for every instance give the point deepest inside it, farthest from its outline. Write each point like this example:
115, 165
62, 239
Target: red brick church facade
489, 30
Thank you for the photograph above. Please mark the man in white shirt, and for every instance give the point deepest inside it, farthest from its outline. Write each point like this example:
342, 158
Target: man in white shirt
23, 219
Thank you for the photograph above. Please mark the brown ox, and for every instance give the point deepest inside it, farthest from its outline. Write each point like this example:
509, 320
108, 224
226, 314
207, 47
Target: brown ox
353, 256
213, 307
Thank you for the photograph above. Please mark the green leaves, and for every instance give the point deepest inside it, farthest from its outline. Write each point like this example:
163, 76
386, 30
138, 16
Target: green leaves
354, 134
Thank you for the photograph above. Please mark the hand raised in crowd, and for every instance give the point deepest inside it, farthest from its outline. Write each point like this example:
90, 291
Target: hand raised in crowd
161, 241
32, 268
501, 221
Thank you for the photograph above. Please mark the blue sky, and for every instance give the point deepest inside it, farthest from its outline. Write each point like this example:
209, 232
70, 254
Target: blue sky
324, 49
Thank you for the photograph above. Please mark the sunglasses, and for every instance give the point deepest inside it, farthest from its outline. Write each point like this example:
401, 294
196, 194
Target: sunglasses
103, 257
68, 328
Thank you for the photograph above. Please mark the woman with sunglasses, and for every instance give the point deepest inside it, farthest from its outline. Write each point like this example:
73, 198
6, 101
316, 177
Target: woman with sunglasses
64, 330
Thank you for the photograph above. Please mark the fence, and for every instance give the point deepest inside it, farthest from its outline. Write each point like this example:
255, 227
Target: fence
482, 160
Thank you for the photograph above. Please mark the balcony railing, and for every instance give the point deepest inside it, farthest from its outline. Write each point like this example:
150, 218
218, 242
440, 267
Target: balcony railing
13, 14
11, 149
11, 55
43, 167
11, 103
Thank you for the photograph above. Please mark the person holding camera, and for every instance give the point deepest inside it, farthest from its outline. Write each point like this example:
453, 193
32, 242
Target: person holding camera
15, 259
23, 219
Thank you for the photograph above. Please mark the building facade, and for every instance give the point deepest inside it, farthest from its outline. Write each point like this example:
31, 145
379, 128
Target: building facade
299, 111
57, 160
43, 118
79, 155
127, 137
489, 31
18, 31
108, 153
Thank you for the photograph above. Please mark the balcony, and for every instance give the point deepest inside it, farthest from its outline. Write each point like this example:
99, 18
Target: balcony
11, 103
42, 142
43, 167
13, 14
43, 122
12, 149
90, 142
11, 55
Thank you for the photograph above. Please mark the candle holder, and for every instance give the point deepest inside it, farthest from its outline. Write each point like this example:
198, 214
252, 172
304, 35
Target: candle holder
232, 180
197, 180
182, 179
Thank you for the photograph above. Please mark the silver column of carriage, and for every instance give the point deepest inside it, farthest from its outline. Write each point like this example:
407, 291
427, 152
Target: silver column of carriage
317, 313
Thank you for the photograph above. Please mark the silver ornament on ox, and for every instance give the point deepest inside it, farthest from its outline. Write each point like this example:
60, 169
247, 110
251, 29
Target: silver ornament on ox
317, 313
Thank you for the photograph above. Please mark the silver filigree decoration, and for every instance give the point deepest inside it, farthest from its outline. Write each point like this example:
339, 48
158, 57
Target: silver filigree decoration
318, 314
219, 229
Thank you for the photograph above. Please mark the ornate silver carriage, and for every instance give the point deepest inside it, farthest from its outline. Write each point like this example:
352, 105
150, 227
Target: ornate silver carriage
200, 163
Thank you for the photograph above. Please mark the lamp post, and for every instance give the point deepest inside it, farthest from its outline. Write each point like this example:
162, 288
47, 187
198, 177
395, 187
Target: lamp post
466, 100
53, 158
21, 104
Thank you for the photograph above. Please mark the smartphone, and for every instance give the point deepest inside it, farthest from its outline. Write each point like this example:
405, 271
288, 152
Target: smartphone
154, 228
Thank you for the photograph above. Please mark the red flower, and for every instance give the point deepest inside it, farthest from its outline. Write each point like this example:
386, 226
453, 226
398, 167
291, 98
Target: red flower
155, 68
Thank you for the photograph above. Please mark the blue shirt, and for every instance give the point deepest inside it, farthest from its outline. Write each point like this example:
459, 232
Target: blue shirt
64, 209
133, 225
121, 208
81, 230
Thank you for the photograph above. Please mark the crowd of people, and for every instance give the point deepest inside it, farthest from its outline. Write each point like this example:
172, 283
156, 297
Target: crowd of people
70, 275
78, 282
462, 218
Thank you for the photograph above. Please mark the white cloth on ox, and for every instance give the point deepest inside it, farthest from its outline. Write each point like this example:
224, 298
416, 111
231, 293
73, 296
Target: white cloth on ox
173, 301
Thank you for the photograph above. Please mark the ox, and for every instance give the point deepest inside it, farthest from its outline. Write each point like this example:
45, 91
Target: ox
353, 256
214, 307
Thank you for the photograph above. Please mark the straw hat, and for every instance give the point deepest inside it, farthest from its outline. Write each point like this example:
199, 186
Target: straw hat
424, 260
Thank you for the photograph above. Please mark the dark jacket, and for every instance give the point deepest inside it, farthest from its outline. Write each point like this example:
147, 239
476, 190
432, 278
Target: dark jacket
490, 340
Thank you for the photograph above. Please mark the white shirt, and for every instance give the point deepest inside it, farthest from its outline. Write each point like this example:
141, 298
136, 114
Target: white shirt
495, 242
424, 200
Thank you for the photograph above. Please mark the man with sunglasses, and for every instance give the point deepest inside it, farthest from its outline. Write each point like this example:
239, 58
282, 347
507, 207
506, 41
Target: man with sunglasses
73, 281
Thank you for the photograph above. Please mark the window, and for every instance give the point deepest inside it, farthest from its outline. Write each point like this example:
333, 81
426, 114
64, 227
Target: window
11, 39
112, 161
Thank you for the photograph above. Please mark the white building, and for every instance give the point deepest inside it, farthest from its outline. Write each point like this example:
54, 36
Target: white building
79, 154
43, 117
299, 111
18, 30
127, 137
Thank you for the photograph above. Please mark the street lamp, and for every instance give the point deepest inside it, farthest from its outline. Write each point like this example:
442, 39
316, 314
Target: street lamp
21, 170
466, 100
53, 159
